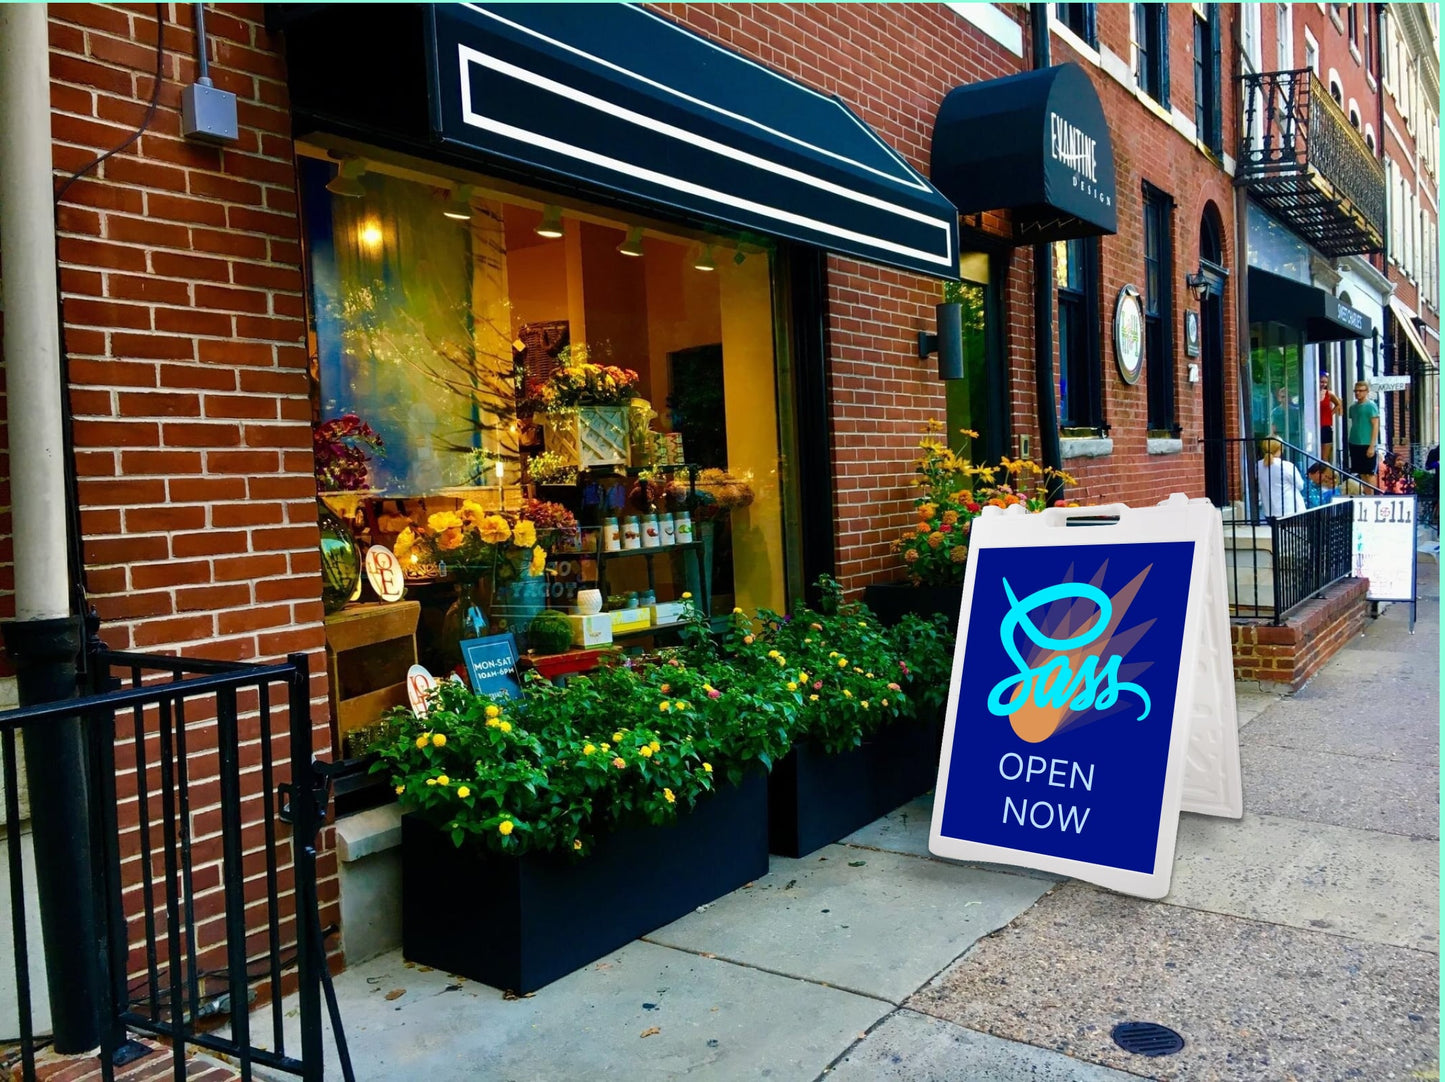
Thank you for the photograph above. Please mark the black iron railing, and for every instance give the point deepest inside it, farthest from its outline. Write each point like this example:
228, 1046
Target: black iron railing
204, 809
1284, 541
1300, 157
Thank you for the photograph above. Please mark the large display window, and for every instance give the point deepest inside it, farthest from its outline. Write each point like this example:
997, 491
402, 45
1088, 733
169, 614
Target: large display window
445, 312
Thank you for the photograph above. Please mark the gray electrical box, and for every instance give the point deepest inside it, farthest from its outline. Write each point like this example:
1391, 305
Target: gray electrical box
208, 115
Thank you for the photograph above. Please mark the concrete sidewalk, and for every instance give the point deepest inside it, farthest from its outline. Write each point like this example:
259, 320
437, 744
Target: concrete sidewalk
1299, 943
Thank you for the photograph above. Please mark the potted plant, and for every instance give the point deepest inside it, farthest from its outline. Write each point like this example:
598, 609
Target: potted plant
935, 547
545, 831
868, 726
586, 409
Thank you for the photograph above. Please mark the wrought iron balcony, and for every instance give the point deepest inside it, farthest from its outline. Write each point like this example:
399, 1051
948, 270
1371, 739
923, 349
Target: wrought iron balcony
1300, 158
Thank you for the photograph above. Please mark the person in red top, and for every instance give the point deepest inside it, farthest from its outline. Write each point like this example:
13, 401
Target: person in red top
1330, 406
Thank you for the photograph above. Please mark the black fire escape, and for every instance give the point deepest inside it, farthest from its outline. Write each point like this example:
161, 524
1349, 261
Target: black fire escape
1301, 159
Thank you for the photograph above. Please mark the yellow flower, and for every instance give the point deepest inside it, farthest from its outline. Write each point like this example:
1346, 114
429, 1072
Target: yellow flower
664, 706
422, 740
606, 746
505, 827
493, 723
737, 612
834, 653
494, 529
431, 781
617, 736
493, 710
443, 521
842, 663
865, 704
862, 623
463, 792
619, 762
442, 779
577, 844
707, 768
668, 796
439, 740
812, 698
748, 639
505, 726
450, 540
588, 749
400, 789
792, 686
539, 560
655, 746
680, 705
404, 542
686, 595
645, 751
772, 653
847, 694
870, 676
524, 534
802, 677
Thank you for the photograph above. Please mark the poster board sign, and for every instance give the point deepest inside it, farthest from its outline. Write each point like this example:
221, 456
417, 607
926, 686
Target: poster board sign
491, 663
383, 571
419, 684
1085, 642
1383, 547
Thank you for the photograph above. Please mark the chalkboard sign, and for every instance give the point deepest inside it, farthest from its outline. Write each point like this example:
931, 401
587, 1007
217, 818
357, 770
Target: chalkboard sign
1077, 678
491, 663
1384, 546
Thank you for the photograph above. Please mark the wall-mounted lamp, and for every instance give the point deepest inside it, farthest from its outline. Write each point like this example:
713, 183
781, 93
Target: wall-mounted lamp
459, 206
704, 261
347, 180
551, 224
947, 343
1197, 284
632, 245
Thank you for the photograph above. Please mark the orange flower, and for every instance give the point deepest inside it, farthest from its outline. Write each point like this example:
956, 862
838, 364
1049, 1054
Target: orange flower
494, 529
924, 527
451, 539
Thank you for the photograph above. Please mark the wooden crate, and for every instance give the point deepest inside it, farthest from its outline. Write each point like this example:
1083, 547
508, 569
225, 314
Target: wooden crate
592, 436
369, 649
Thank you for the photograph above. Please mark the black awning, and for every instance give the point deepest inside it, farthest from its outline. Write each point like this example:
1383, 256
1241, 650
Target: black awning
1321, 315
1035, 144
615, 101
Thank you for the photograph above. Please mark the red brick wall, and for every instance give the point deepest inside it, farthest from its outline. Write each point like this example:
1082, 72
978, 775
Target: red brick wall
1296, 650
184, 322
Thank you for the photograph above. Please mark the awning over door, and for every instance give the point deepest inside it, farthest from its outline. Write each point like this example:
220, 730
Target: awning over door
615, 101
1406, 323
1319, 314
1035, 144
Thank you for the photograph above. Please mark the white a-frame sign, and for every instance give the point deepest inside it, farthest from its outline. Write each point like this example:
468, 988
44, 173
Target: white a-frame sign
1093, 693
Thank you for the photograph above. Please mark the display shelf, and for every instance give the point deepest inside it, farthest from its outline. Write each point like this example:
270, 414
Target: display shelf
694, 548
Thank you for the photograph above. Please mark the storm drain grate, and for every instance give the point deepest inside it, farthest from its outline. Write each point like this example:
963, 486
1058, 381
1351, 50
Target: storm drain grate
1147, 1038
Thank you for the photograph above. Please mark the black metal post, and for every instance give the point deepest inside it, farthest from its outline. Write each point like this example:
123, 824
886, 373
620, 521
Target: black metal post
1049, 447
46, 653
305, 826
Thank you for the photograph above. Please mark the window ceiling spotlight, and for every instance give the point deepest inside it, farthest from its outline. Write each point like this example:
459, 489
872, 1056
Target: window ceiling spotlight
1197, 284
704, 261
347, 180
551, 224
459, 206
633, 244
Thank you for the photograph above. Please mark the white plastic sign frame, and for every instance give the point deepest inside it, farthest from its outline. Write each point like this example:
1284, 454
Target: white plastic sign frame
1087, 628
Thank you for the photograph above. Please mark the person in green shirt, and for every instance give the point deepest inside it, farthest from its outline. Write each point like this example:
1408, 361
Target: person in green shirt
1363, 434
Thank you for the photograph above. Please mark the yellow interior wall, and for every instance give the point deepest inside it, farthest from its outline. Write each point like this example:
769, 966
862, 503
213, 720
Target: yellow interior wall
750, 395
683, 310
537, 283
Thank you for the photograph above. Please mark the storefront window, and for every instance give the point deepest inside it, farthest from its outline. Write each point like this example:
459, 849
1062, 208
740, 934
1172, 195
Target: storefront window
1281, 400
440, 310
967, 398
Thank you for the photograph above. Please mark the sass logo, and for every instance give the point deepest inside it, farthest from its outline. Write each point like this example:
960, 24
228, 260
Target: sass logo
1074, 666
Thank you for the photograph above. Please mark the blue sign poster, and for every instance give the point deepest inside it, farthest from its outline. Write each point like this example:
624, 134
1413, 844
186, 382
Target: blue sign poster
491, 663
1064, 732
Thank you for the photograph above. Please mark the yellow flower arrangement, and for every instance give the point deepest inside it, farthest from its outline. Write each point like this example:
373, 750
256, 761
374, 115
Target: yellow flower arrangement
471, 543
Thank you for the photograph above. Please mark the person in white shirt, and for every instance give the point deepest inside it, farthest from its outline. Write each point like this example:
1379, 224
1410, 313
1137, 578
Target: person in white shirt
1281, 489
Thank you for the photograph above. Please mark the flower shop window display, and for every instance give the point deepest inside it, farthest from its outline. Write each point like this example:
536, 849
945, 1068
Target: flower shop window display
585, 408
490, 555
343, 449
546, 831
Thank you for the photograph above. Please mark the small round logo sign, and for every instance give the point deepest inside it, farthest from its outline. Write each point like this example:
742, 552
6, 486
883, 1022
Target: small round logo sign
384, 571
1129, 335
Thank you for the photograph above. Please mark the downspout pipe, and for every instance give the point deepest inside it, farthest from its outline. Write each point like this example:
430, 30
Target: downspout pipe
44, 638
1049, 447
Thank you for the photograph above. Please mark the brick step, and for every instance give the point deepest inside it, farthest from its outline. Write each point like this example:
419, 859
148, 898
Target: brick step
156, 1067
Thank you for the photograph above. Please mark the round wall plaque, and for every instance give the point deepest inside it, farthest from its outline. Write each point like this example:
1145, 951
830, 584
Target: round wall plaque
1129, 335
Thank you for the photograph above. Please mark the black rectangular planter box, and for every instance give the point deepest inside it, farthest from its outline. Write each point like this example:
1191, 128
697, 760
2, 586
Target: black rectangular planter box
815, 798
518, 923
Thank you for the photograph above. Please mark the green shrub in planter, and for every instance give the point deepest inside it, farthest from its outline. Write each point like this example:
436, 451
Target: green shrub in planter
550, 632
